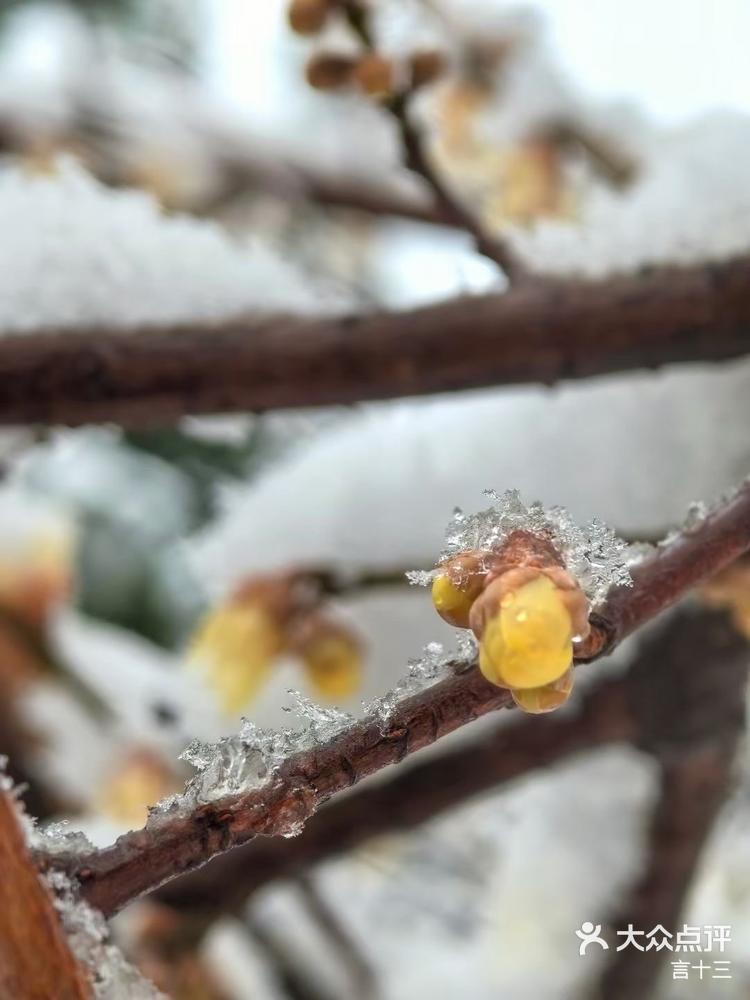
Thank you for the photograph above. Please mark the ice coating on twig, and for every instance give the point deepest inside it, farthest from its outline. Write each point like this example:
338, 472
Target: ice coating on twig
592, 553
58, 838
238, 764
435, 664
112, 976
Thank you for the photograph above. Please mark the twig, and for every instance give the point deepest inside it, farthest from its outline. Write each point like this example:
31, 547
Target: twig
418, 161
35, 958
531, 334
412, 797
448, 206
700, 665
327, 920
142, 860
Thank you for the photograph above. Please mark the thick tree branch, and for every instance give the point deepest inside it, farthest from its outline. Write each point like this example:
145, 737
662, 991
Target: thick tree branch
693, 725
35, 958
531, 334
143, 860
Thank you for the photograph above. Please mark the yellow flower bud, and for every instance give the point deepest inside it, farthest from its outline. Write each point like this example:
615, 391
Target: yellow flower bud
528, 642
488, 668
546, 698
451, 603
141, 781
457, 587
334, 663
234, 648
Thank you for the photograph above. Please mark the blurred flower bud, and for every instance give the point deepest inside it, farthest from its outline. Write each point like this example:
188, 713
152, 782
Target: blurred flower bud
328, 71
308, 17
375, 75
141, 780
332, 656
234, 648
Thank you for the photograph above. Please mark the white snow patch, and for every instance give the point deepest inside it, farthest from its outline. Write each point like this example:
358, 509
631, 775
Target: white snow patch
77, 253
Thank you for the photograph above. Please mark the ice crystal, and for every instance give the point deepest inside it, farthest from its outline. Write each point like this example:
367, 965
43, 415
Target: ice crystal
593, 554
112, 976
697, 513
323, 723
433, 665
238, 764
59, 838
248, 760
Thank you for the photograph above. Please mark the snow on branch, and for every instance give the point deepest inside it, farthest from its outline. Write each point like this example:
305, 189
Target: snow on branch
100, 256
539, 333
271, 783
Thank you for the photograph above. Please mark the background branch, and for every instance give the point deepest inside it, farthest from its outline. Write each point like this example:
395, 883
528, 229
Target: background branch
416, 158
531, 334
142, 860
699, 664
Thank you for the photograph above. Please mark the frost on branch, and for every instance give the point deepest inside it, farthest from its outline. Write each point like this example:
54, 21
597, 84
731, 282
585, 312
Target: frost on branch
82, 254
241, 763
593, 554
112, 976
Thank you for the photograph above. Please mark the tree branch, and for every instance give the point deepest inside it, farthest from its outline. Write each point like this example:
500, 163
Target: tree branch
693, 727
412, 797
35, 958
531, 334
663, 689
142, 860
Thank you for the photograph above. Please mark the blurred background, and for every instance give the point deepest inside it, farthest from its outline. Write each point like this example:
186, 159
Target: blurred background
169, 160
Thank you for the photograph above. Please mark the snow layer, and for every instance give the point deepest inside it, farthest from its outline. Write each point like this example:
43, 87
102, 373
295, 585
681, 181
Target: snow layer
376, 489
689, 203
82, 254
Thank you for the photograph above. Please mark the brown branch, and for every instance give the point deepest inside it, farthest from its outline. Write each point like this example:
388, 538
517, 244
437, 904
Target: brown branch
531, 334
700, 665
142, 860
298, 185
447, 204
35, 958
638, 708
417, 159
414, 796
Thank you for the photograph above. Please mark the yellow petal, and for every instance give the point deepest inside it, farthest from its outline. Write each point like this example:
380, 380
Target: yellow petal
451, 603
546, 698
234, 648
140, 782
529, 642
334, 666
